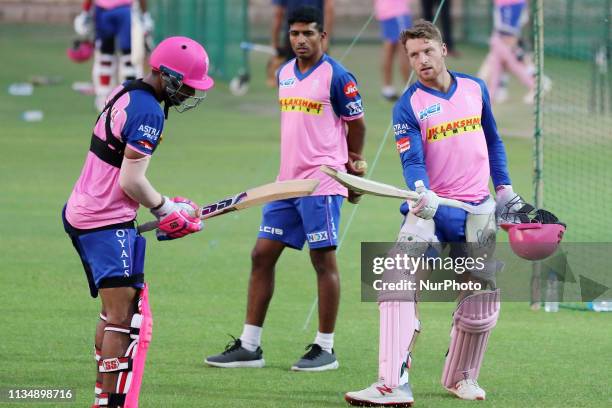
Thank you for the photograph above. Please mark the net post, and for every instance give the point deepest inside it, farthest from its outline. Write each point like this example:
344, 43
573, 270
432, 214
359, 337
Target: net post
538, 181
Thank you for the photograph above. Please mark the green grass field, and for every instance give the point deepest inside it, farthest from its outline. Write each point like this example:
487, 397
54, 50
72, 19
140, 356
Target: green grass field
198, 285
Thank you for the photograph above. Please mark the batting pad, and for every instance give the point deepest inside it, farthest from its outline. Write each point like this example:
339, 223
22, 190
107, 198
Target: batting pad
399, 326
473, 321
142, 327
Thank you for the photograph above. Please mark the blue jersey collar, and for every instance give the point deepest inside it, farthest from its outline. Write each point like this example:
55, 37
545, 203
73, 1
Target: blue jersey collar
299, 75
435, 92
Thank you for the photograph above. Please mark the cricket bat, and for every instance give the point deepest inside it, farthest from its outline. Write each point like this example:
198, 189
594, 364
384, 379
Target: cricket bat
265, 49
371, 187
279, 190
138, 52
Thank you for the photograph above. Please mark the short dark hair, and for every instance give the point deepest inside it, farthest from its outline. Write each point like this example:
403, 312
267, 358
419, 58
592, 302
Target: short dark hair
421, 29
307, 14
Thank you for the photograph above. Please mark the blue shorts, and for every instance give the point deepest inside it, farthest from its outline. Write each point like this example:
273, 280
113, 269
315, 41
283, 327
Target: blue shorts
450, 224
112, 256
293, 221
115, 23
508, 20
391, 28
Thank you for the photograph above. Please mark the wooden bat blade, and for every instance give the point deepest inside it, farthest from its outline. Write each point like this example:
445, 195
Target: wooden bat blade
279, 190
366, 186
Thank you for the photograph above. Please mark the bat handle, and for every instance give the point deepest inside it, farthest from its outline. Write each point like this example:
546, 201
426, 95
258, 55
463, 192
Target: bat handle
148, 226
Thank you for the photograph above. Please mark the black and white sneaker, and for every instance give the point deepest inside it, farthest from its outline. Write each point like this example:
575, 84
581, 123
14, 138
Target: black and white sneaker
236, 356
316, 359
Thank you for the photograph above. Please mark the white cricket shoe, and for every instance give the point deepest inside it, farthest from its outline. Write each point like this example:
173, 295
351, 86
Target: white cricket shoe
468, 390
502, 95
529, 98
378, 394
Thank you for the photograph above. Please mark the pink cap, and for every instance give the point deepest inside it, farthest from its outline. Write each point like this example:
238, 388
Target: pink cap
185, 56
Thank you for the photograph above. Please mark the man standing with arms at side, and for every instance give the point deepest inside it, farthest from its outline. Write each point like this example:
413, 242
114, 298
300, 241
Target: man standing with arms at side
449, 147
321, 123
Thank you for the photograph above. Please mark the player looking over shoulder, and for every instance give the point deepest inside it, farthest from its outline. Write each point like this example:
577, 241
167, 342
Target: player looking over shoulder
99, 215
449, 147
321, 123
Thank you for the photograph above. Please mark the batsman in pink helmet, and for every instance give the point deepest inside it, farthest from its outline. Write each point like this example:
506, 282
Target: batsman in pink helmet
99, 216
449, 147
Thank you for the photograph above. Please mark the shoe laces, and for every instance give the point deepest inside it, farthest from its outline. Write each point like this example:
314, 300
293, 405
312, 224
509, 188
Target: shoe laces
314, 350
468, 381
233, 345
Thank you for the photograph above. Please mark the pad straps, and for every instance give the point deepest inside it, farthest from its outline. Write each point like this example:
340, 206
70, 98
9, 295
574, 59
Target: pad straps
111, 150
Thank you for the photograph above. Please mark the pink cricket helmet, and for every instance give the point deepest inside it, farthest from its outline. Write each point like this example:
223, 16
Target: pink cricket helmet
538, 238
80, 51
185, 57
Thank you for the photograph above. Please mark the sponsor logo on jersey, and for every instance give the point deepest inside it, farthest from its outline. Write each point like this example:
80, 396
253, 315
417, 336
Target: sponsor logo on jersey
401, 128
403, 144
317, 236
149, 132
430, 111
454, 128
301, 105
350, 89
354, 107
271, 230
287, 83
145, 144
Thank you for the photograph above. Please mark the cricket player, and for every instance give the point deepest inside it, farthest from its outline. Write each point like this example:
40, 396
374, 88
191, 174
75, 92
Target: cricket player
99, 215
449, 147
509, 16
112, 21
321, 123
393, 16
281, 43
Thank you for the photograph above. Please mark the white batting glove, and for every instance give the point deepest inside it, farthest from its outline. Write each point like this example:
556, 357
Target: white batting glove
147, 22
83, 24
507, 204
427, 204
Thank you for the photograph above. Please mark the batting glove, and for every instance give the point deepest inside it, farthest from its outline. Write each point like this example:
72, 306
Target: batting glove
427, 204
177, 217
507, 205
83, 24
147, 22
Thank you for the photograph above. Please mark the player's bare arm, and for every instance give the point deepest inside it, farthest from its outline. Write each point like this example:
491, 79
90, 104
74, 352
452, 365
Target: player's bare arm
355, 141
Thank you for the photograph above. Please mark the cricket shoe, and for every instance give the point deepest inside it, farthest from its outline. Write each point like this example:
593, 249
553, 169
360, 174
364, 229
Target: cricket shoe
316, 359
236, 356
468, 390
379, 395
389, 93
529, 98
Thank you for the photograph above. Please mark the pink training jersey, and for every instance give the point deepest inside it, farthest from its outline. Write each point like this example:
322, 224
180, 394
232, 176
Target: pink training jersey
450, 140
314, 108
97, 199
110, 4
386, 9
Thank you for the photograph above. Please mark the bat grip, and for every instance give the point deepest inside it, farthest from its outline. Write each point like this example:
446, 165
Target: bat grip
148, 226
